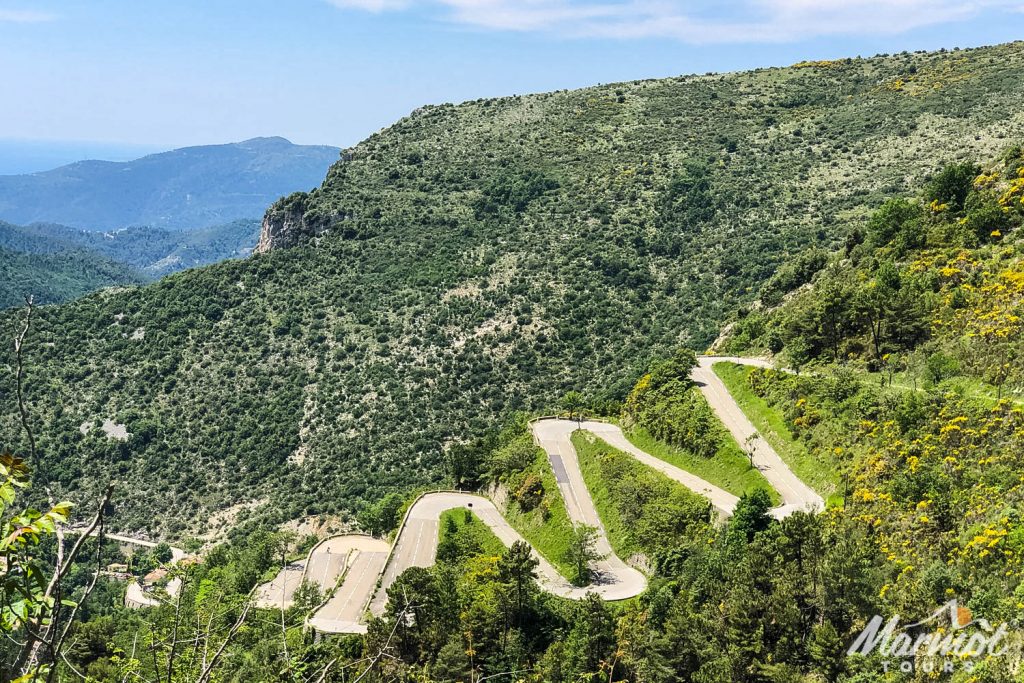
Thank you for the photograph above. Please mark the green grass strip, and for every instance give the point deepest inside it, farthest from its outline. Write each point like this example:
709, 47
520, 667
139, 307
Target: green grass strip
641, 509
550, 537
469, 526
729, 469
771, 423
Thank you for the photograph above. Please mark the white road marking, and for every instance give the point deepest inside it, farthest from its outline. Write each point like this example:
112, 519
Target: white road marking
416, 545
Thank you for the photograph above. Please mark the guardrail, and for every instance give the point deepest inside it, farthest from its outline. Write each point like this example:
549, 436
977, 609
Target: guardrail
562, 416
398, 535
533, 420
329, 594
739, 360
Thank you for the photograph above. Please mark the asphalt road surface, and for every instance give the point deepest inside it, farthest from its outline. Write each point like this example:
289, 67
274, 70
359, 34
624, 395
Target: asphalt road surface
361, 560
280, 591
356, 557
136, 596
416, 546
327, 561
344, 611
722, 500
796, 495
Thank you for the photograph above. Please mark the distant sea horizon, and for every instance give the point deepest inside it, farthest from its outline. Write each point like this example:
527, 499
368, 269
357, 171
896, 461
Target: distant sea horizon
19, 156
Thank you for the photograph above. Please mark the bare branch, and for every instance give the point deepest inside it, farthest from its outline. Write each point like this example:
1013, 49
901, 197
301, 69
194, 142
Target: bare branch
135, 642
284, 628
64, 656
382, 652
31, 656
85, 596
204, 677
174, 634
19, 347
327, 669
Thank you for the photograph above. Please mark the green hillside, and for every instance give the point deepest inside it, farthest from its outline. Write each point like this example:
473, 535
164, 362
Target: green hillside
57, 277
485, 258
926, 296
54, 263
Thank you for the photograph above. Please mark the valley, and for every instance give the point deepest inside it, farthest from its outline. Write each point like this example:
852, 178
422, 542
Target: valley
453, 284
698, 379
99, 224
54, 263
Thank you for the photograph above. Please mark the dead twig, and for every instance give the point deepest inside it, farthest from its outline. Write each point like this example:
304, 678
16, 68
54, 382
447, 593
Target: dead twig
19, 357
204, 677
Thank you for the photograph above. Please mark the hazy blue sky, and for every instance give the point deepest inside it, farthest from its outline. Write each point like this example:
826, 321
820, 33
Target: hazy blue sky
166, 74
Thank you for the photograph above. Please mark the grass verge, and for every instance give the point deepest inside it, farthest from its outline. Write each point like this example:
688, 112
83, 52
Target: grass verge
589, 451
467, 527
642, 510
547, 526
729, 469
771, 423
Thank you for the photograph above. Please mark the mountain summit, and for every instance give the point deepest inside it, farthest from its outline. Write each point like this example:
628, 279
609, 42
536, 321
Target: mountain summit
191, 187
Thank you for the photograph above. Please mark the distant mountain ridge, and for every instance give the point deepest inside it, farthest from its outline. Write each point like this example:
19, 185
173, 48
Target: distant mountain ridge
191, 187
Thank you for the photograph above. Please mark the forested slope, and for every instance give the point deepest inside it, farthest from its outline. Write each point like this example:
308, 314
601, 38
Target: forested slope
52, 278
483, 258
54, 263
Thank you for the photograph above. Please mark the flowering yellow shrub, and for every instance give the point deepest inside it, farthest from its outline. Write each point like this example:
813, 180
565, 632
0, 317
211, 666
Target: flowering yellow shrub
986, 180
819, 63
1014, 193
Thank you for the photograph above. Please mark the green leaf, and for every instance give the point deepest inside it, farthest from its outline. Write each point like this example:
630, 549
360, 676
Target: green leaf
63, 509
20, 609
7, 493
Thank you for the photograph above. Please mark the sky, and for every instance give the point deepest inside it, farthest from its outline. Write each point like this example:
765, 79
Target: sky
117, 77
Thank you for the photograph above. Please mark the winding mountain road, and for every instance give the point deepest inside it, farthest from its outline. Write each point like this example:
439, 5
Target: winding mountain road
560, 432
280, 592
796, 495
358, 561
361, 559
416, 546
136, 596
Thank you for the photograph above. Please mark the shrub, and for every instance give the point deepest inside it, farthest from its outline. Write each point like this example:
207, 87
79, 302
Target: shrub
952, 185
530, 493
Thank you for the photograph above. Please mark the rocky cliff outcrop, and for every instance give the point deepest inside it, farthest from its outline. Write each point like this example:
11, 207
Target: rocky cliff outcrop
285, 224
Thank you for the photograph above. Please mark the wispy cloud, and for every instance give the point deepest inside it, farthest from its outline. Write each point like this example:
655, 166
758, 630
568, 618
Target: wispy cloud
371, 5
695, 21
24, 16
